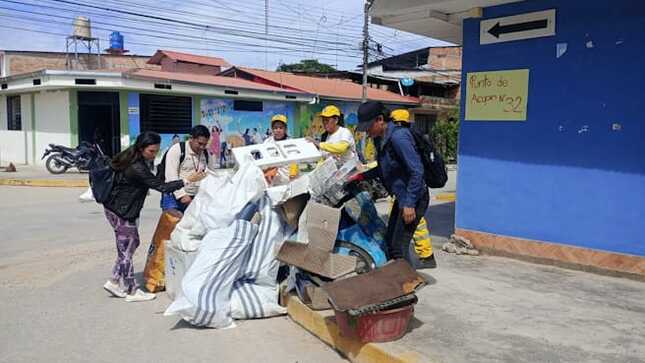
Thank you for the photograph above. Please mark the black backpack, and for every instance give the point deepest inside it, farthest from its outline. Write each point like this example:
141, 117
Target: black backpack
101, 177
161, 168
435, 173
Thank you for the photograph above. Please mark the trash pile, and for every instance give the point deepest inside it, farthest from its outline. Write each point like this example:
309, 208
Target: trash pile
243, 242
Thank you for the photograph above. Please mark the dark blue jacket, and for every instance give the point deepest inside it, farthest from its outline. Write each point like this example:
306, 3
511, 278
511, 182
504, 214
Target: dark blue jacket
399, 166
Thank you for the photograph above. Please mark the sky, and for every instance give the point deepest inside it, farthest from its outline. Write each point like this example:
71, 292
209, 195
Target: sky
330, 31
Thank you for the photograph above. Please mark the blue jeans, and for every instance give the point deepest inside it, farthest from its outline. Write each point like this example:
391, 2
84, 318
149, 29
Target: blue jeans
168, 201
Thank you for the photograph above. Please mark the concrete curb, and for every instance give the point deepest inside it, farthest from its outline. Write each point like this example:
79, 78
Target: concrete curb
325, 329
60, 183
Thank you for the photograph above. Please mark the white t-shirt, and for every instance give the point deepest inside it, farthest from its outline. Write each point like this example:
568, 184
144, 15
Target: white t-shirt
343, 134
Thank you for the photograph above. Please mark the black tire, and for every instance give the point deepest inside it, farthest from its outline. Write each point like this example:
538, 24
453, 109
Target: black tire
54, 166
364, 262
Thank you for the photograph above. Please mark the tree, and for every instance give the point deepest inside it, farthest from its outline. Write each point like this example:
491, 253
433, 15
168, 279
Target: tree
445, 135
307, 65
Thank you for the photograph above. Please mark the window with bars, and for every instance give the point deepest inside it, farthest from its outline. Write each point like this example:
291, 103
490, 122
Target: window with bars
14, 121
166, 114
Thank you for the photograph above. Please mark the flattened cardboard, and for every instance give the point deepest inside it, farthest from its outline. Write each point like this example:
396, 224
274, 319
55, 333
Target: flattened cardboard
316, 260
321, 223
395, 279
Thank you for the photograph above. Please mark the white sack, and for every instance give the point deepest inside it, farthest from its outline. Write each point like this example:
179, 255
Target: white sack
206, 287
231, 195
251, 301
255, 295
220, 198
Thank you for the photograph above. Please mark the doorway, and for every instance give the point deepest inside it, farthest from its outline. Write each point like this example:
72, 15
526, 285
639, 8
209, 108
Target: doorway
99, 120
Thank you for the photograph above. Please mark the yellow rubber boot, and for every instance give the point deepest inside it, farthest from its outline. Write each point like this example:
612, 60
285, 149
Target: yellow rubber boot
422, 240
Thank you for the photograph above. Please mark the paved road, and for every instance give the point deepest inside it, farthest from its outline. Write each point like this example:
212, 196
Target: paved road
55, 254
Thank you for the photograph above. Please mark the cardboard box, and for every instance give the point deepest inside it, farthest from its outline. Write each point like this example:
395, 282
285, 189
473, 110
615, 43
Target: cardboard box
316, 256
292, 209
177, 263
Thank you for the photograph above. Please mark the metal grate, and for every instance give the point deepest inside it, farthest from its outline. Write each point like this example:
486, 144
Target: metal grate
166, 114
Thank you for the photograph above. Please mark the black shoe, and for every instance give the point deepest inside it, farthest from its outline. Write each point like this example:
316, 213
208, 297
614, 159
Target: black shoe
427, 262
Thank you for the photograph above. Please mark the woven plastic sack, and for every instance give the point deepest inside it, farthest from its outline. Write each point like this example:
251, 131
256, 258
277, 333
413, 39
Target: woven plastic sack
154, 272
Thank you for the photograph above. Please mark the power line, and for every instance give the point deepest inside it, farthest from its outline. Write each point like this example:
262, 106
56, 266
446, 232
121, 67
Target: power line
40, 21
31, 30
202, 38
228, 31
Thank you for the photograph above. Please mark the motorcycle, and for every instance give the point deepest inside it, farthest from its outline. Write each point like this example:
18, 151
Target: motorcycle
62, 158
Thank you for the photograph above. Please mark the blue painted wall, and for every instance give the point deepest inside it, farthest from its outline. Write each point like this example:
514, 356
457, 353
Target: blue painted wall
563, 175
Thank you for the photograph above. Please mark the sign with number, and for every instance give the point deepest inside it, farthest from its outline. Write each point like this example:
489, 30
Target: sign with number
497, 96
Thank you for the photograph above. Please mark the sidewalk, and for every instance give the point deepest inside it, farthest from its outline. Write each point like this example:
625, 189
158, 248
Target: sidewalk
492, 309
38, 176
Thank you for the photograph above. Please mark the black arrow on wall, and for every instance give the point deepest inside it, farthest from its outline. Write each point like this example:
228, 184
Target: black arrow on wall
497, 29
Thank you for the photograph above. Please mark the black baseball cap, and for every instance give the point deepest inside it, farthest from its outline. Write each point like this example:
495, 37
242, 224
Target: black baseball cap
367, 112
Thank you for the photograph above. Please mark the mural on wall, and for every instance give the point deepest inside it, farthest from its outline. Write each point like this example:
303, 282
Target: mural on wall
231, 128
310, 125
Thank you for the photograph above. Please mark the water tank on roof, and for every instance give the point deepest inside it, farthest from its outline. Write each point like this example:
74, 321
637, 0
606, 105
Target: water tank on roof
116, 41
82, 27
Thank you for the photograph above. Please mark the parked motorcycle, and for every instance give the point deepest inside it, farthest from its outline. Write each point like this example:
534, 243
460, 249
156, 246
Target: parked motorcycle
62, 158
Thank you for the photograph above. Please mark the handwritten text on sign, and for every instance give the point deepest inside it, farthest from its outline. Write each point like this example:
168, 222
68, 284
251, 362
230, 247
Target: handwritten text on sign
497, 96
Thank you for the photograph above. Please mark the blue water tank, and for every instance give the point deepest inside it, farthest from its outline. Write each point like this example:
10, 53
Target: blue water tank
116, 41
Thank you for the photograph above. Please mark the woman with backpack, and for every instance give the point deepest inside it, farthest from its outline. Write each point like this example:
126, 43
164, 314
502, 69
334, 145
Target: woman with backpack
132, 180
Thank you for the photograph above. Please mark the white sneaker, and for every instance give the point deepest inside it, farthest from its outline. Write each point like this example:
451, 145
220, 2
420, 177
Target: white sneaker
114, 289
140, 296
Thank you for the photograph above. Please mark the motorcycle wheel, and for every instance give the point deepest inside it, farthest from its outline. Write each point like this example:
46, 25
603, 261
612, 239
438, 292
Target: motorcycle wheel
54, 166
364, 262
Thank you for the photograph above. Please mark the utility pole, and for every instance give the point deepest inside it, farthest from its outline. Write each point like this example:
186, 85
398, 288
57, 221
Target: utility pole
366, 39
266, 34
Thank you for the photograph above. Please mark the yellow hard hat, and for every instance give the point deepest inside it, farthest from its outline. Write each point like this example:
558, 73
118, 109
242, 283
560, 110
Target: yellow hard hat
330, 111
400, 115
279, 117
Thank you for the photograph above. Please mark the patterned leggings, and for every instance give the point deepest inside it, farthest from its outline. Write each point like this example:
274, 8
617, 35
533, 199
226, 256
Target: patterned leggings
127, 241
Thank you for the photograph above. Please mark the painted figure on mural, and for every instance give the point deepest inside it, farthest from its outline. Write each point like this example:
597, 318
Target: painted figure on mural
256, 137
175, 139
248, 139
214, 146
222, 157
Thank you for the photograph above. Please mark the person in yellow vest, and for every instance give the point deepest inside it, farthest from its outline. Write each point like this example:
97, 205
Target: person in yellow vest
422, 240
337, 141
283, 174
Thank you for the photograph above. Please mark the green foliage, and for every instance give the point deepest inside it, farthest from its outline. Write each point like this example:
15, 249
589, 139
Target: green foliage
445, 135
307, 65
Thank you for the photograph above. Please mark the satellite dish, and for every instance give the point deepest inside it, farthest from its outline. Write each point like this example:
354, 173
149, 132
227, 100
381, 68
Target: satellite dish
407, 82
